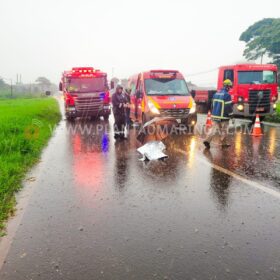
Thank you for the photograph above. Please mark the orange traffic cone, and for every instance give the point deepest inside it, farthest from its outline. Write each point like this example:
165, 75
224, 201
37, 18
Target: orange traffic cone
257, 130
209, 120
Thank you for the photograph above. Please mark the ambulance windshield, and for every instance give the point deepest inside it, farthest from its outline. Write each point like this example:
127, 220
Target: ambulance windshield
166, 87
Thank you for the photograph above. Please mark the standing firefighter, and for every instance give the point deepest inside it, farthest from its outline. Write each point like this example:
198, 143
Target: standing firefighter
119, 110
222, 112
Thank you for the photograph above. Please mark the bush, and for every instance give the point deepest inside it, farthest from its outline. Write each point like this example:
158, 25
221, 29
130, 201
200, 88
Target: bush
276, 116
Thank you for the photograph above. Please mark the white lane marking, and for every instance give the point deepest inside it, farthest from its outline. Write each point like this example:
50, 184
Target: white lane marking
271, 124
250, 183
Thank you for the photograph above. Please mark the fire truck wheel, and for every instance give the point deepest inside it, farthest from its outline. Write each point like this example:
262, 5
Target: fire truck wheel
94, 118
191, 129
70, 118
144, 119
106, 117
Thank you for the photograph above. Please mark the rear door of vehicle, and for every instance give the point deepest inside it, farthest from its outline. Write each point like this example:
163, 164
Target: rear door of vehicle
132, 86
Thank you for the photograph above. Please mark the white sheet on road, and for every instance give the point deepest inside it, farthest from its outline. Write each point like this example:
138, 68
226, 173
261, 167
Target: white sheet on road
152, 150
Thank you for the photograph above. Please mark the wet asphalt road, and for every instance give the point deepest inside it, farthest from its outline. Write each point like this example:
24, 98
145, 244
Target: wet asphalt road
97, 212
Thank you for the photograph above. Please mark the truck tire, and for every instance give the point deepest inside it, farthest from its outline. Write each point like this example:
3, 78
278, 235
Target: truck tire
70, 118
202, 108
191, 129
144, 119
94, 118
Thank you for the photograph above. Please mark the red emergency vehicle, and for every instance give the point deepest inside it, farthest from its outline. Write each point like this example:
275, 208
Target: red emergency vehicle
255, 89
86, 93
161, 93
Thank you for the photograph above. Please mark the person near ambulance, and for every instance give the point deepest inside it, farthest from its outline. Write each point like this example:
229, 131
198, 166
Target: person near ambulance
119, 103
222, 112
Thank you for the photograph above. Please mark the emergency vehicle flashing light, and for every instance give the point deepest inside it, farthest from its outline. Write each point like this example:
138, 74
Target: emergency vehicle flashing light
163, 74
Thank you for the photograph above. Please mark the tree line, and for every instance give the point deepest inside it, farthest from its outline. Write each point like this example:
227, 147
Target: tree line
263, 38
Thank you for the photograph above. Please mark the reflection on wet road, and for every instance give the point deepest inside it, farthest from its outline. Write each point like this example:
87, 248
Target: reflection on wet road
97, 212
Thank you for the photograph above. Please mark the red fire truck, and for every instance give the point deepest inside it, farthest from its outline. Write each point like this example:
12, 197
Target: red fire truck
255, 89
86, 93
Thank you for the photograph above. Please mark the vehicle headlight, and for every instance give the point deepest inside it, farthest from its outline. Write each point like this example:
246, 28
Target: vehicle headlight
240, 107
153, 108
274, 106
193, 108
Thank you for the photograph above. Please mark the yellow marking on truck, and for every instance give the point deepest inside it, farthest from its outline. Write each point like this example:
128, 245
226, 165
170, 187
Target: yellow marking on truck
154, 102
190, 104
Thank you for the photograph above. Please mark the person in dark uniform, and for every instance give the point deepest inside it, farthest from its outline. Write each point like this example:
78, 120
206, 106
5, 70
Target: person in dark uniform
222, 112
119, 103
127, 110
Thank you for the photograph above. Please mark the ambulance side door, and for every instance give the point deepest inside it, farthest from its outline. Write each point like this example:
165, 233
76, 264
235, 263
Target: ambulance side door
132, 85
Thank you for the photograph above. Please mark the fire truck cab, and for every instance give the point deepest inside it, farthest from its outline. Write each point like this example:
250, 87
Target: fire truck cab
86, 93
255, 88
161, 93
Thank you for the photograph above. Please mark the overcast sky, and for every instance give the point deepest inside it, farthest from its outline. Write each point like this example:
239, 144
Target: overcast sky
45, 37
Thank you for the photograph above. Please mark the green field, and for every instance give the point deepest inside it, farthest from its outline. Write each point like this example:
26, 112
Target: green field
24, 131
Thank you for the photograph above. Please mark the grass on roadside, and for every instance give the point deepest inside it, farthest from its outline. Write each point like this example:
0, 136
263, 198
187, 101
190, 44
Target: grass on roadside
24, 131
275, 117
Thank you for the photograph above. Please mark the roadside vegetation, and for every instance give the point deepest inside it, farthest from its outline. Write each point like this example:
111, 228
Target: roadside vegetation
17, 89
24, 131
275, 117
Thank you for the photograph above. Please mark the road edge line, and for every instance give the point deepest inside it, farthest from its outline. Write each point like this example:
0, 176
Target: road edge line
248, 182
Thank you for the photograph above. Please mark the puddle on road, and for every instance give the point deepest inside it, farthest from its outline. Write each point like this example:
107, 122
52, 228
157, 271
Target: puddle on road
93, 146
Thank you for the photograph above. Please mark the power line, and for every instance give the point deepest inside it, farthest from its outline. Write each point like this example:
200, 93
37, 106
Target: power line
201, 73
